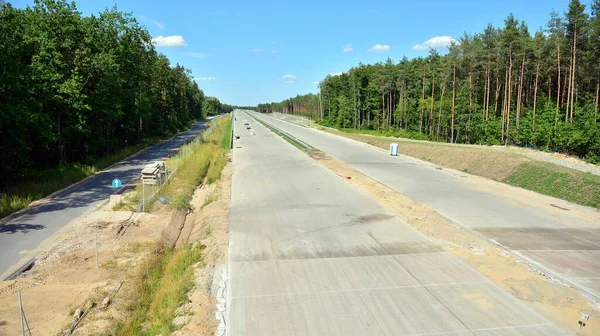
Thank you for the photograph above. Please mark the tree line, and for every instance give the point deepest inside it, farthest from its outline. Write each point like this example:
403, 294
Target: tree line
502, 86
74, 88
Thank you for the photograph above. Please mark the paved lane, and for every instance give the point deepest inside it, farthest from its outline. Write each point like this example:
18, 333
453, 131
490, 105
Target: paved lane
311, 255
21, 235
561, 242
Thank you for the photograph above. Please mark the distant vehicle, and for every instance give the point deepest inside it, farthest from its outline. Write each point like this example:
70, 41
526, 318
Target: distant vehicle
248, 127
246, 122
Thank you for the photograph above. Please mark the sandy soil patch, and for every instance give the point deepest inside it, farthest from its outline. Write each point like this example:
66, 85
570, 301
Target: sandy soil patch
65, 275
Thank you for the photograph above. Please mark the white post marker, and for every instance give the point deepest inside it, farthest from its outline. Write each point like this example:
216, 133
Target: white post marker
394, 149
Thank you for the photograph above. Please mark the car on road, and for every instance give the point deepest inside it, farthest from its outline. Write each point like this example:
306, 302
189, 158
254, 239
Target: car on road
246, 122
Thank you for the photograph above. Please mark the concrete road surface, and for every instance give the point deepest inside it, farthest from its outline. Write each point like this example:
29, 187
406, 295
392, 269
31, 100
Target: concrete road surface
561, 243
21, 235
311, 255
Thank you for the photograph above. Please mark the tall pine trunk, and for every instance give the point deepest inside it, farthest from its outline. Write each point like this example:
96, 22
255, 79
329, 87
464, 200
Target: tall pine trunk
596, 101
520, 94
535, 89
437, 135
569, 89
453, 97
487, 97
508, 102
558, 84
574, 73
390, 97
497, 91
432, 101
504, 101
421, 104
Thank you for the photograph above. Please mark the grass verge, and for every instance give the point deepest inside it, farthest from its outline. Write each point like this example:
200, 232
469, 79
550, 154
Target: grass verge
160, 288
48, 181
556, 181
227, 141
206, 161
545, 178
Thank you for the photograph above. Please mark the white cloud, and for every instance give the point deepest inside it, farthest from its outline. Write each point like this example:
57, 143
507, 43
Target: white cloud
257, 50
158, 24
231, 83
209, 78
438, 42
195, 54
316, 82
289, 79
347, 48
336, 74
380, 48
273, 52
169, 41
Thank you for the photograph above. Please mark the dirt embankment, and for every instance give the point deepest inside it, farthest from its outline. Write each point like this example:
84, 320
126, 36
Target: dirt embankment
65, 276
208, 224
559, 303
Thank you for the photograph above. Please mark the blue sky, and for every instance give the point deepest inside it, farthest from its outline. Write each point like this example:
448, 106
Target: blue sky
248, 52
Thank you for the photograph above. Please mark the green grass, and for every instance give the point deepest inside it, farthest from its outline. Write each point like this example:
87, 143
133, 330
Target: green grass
564, 183
160, 288
391, 133
211, 198
397, 133
46, 182
227, 140
206, 160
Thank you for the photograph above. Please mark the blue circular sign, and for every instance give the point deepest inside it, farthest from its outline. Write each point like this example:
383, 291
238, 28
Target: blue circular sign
116, 183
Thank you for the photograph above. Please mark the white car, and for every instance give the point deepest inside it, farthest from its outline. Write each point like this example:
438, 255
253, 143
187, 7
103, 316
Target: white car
246, 122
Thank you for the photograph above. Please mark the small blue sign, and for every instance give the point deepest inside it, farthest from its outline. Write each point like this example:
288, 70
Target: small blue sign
116, 183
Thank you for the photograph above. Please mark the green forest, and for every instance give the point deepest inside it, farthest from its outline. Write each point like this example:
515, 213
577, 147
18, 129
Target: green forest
75, 89
506, 85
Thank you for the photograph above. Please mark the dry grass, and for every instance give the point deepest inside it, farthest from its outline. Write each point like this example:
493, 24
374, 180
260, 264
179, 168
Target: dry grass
206, 160
494, 165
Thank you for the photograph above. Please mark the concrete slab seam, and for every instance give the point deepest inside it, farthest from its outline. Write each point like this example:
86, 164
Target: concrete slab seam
488, 329
366, 289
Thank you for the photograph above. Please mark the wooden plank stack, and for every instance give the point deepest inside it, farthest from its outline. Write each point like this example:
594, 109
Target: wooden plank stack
153, 172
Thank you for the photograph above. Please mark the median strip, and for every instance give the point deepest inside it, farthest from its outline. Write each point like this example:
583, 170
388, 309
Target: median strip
303, 146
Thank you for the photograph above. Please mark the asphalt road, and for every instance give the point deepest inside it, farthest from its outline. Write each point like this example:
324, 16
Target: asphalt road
311, 255
562, 243
21, 235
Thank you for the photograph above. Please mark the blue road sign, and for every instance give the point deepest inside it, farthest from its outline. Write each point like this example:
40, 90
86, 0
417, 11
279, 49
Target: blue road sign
116, 183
